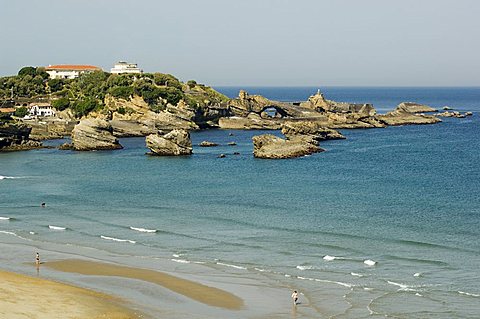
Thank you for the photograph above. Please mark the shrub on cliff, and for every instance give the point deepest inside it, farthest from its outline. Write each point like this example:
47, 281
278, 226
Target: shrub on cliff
123, 92
61, 104
166, 80
83, 107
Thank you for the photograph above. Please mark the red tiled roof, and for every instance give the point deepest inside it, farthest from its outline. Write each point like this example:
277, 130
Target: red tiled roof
72, 67
7, 110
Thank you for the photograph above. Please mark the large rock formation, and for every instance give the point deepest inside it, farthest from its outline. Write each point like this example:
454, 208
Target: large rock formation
247, 104
412, 107
251, 122
16, 138
310, 128
272, 147
134, 117
174, 143
318, 103
94, 134
406, 113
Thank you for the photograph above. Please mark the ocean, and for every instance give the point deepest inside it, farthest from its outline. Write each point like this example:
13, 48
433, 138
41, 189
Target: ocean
384, 223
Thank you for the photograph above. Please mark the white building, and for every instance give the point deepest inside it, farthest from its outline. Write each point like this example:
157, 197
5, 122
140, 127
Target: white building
41, 109
125, 67
69, 71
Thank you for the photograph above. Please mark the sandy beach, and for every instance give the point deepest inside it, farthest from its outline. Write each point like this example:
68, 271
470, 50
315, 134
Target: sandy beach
210, 296
28, 297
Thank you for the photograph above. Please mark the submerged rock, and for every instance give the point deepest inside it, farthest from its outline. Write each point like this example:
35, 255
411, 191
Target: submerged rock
94, 134
272, 147
174, 143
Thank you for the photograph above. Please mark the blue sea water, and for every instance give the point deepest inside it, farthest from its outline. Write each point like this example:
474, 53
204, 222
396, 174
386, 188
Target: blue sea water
406, 198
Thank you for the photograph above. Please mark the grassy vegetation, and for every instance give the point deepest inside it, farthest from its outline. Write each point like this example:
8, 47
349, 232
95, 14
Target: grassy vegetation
87, 92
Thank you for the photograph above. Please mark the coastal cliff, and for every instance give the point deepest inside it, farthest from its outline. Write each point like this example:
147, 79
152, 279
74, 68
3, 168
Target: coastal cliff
16, 138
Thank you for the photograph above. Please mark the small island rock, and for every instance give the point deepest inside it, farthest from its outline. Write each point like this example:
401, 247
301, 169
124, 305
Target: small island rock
207, 144
94, 134
174, 143
273, 147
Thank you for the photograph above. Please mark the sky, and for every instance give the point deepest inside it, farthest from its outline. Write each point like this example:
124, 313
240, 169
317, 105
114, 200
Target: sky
253, 42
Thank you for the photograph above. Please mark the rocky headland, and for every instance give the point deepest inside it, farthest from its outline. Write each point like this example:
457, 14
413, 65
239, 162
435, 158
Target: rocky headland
97, 108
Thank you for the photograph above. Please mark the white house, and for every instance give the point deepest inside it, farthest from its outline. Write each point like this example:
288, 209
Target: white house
41, 109
125, 67
66, 71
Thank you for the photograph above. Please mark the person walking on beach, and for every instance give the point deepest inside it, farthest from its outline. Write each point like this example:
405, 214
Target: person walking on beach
37, 259
295, 297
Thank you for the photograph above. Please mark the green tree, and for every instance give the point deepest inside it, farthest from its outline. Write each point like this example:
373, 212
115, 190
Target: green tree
83, 107
27, 70
61, 104
21, 111
55, 85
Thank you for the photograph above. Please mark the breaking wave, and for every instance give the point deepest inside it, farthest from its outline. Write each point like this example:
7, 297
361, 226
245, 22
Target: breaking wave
143, 230
305, 267
231, 266
369, 262
118, 239
468, 294
57, 227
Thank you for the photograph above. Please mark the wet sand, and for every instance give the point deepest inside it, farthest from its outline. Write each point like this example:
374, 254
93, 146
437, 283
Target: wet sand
28, 297
205, 294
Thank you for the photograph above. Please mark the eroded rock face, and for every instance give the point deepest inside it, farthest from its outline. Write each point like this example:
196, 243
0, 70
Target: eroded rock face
272, 147
139, 120
16, 138
252, 122
318, 103
314, 129
174, 143
94, 134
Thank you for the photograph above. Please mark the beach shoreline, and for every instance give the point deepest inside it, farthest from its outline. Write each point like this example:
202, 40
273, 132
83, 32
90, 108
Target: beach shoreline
25, 296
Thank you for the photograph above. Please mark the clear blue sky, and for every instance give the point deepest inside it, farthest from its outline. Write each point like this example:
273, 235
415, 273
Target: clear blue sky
253, 42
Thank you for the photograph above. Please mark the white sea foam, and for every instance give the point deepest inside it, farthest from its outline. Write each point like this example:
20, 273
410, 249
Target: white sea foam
468, 294
417, 274
4, 218
231, 266
403, 287
8, 177
356, 274
181, 261
260, 269
329, 258
119, 240
369, 262
31, 232
13, 234
305, 267
418, 295
335, 282
56, 227
288, 276
176, 255
143, 230
367, 288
